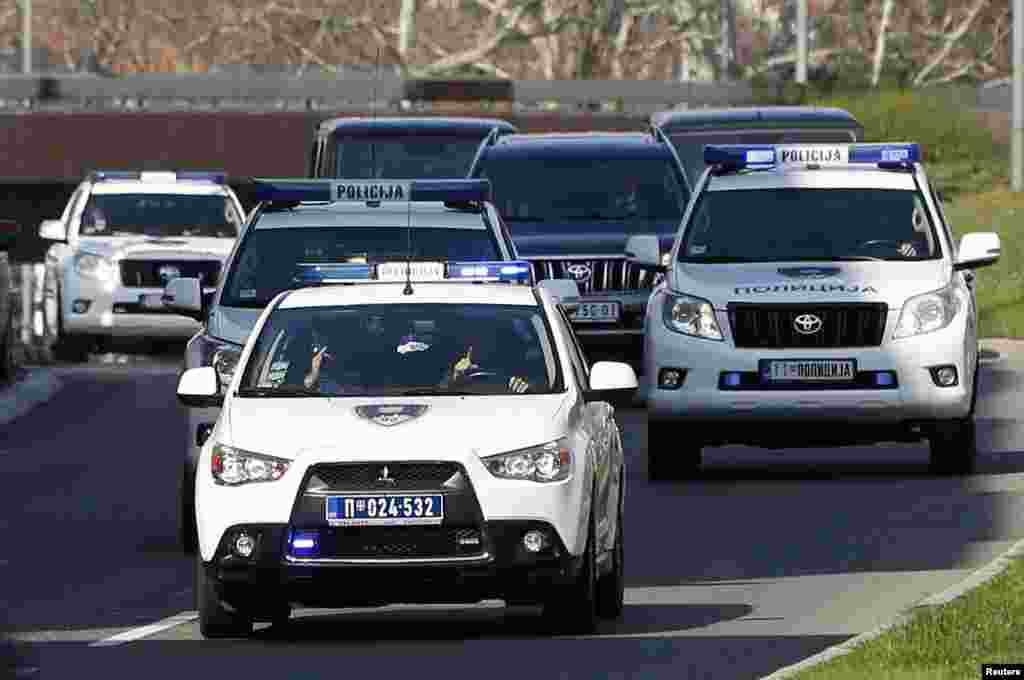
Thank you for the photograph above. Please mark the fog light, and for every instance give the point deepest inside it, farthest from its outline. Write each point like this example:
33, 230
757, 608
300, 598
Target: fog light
885, 379
304, 543
732, 379
534, 541
244, 545
671, 378
80, 306
944, 376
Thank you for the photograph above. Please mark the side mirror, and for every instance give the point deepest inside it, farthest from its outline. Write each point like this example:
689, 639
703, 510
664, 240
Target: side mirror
52, 230
644, 251
978, 249
611, 381
184, 296
200, 388
9, 230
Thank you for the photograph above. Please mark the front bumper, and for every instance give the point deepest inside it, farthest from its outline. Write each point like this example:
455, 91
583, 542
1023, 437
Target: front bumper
114, 310
915, 397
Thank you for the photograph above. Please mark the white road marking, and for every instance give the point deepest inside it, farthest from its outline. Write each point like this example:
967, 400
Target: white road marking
145, 631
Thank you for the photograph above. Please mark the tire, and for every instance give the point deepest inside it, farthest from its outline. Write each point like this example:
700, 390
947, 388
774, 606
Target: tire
681, 461
7, 367
611, 588
72, 348
954, 444
215, 620
188, 534
573, 610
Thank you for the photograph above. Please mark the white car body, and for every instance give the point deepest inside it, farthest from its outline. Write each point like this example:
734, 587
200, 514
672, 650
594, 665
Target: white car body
227, 327
460, 430
115, 299
710, 411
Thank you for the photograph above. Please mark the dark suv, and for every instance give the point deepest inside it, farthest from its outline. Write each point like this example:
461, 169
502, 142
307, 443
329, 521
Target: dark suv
690, 130
400, 148
571, 201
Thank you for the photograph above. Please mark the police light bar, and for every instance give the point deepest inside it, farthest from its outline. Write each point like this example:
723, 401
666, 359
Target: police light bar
378, 190
215, 176
398, 271
767, 155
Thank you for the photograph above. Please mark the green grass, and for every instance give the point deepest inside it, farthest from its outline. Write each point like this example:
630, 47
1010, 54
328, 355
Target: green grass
949, 642
1000, 288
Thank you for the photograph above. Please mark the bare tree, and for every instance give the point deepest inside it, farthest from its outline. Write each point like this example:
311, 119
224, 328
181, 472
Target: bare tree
880, 42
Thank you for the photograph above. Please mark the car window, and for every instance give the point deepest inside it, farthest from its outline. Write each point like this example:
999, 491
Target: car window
690, 145
810, 225
268, 259
606, 194
390, 349
404, 156
576, 356
160, 215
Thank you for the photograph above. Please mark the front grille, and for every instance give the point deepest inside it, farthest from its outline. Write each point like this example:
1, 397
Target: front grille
773, 326
599, 274
399, 542
364, 476
146, 273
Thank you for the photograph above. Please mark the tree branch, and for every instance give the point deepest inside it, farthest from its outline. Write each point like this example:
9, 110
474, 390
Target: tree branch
950, 42
880, 43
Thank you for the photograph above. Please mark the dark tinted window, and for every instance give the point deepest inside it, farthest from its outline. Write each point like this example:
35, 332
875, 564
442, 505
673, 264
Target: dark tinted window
395, 348
405, 157
690, 146
160, 215
786, 225
268, 258
612, 190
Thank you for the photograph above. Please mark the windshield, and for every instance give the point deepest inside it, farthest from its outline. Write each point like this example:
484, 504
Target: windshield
160, 215
403, 349
786, 225
690, 146
619, 191
405, 157
269, 259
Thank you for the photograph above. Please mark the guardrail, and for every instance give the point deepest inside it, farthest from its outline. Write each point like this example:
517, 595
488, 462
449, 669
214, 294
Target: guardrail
167, 91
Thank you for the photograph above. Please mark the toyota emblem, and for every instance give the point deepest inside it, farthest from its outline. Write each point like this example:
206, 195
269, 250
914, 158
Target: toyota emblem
168, 272
807, 324
579, 272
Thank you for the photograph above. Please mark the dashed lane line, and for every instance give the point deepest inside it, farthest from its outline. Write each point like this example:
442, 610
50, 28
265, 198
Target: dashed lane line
134, 634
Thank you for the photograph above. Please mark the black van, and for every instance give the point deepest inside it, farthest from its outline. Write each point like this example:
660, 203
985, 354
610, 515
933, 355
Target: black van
689, 130
400, 148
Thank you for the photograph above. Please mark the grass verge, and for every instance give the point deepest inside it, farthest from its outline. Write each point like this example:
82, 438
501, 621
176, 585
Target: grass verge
1000, 288
949, 642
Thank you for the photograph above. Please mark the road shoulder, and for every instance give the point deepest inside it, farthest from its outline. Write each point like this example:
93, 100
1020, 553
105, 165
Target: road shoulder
35, 385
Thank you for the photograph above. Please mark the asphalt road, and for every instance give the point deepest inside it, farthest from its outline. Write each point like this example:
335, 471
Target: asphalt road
769, 558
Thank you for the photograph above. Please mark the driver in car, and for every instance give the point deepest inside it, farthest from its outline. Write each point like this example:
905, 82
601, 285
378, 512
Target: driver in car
482, 359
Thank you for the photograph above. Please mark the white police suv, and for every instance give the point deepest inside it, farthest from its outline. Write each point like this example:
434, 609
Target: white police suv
815, 296
416, 442
122, 237
299, 226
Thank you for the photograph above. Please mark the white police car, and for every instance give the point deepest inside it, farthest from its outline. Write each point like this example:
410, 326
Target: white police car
815, 296
410, 442
122, 237
300, 225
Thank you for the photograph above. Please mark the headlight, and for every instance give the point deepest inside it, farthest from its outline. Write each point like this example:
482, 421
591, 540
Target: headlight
222, 355
927, 313
231, 466
551, 462
94, 267
691, 316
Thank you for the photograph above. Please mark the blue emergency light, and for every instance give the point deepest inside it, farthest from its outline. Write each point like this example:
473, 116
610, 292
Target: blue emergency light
371, 190
513, 271
756, 156
215, 176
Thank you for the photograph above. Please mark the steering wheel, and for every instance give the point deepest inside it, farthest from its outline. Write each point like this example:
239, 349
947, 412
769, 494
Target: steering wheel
879, 243
482, 376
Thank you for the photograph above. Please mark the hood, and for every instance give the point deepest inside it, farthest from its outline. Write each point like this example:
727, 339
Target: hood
888, 282
145, 247
232, 323
328, 429
558, 239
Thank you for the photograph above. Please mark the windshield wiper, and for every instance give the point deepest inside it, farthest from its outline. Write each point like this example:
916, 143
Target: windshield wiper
719, 260
857, 258
434, 392
274, 392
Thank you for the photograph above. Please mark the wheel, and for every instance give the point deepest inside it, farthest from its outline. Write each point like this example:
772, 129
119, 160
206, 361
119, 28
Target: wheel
679, 460
215, 620
66, 347
954, 444
7, 366
188, 537
573, 610
611, 588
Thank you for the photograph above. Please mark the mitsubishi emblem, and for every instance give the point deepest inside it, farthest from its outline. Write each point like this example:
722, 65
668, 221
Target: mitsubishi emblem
385, 477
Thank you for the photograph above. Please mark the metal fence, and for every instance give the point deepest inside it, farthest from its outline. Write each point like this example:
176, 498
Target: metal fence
274, 92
